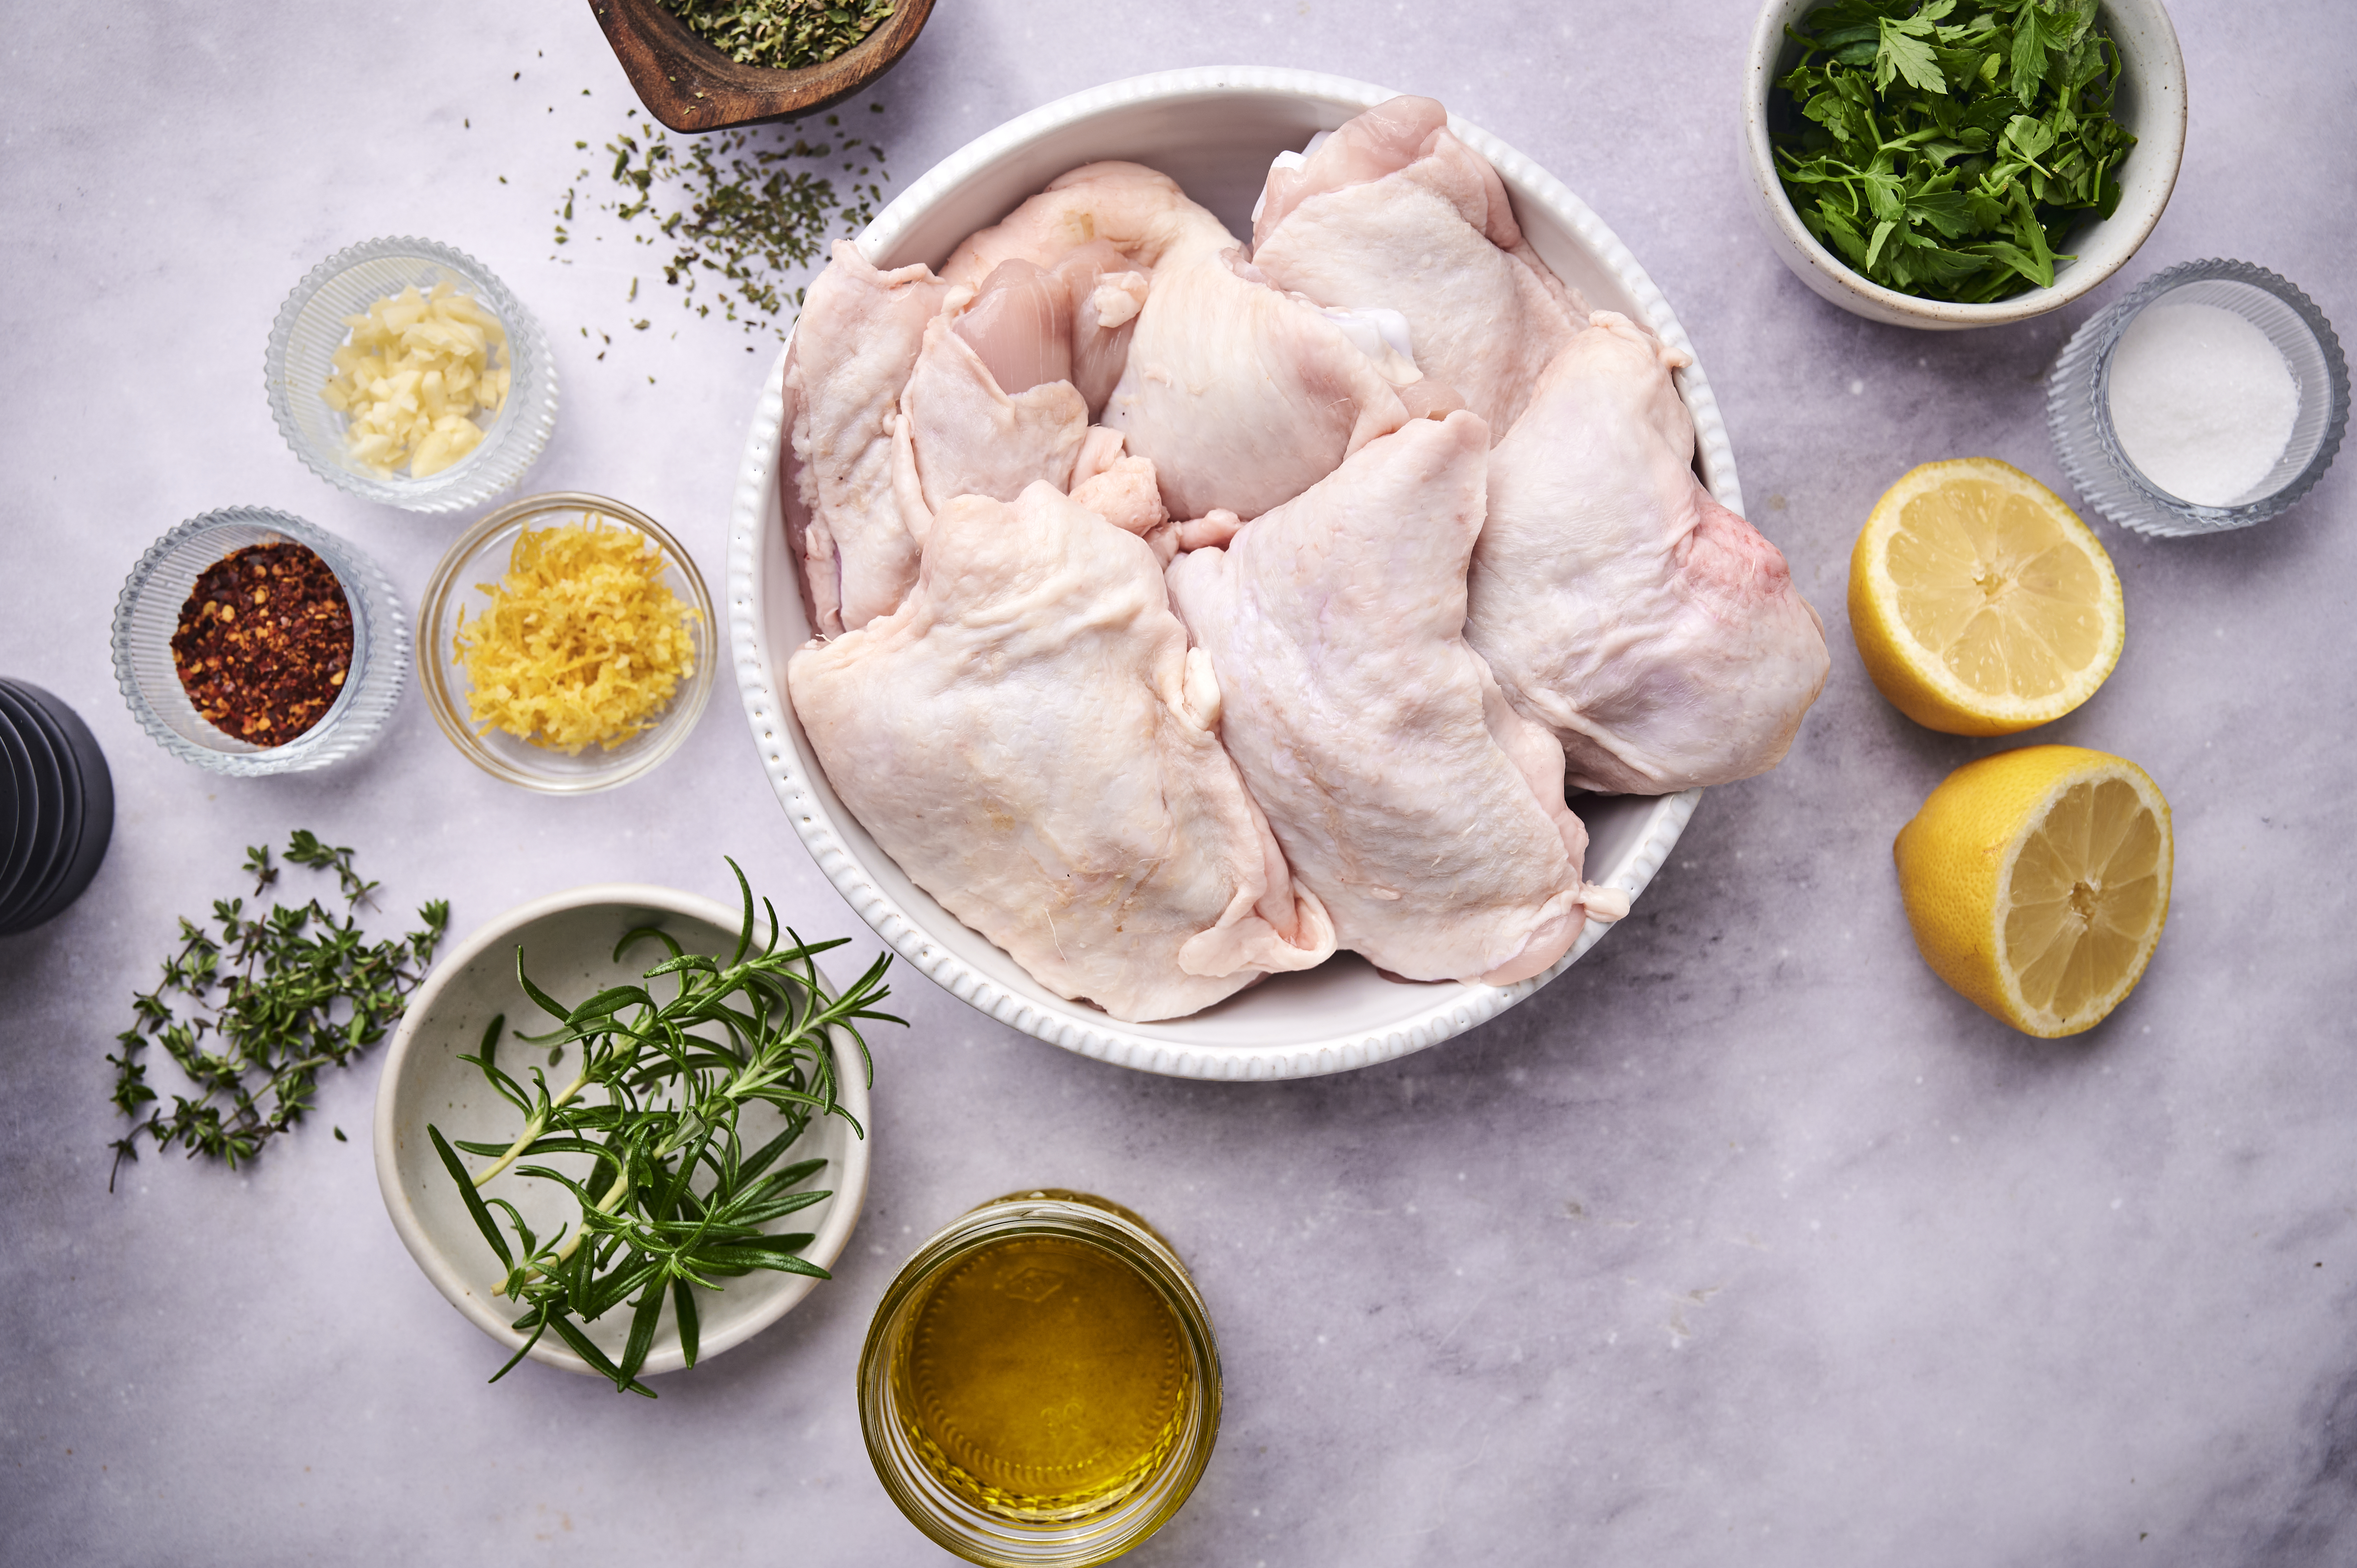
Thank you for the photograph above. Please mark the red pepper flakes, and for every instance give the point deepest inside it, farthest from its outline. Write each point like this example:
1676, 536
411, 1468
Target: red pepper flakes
265, 642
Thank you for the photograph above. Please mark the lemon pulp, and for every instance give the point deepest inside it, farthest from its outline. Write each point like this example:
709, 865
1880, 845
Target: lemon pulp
1989, 584
2037, 883
2083, 898
1980, 604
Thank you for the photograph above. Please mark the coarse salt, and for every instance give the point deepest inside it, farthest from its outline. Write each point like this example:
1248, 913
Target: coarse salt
2202, 402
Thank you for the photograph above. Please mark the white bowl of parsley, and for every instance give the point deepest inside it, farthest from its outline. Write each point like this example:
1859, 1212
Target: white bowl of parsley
1948, 164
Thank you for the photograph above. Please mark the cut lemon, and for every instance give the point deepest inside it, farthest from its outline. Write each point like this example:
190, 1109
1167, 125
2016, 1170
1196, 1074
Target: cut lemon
2036, 882
1980, 603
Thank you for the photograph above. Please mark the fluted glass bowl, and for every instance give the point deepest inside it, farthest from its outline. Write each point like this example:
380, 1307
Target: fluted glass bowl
2079, 402
458, 585
311, 328
148, 612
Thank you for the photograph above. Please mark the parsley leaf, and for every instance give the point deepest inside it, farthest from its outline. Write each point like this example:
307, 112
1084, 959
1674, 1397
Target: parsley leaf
1903, 53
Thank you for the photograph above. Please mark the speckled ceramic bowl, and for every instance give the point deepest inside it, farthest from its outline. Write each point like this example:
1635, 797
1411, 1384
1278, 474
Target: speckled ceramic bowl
1213, 130
2150, 103
568, 942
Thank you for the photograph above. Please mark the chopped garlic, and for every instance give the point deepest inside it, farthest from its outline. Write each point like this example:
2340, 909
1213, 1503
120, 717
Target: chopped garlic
417, 370
582, 641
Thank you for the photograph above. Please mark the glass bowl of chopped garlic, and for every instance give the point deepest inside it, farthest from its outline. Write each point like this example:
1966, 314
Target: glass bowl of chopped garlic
564, 643
401, 370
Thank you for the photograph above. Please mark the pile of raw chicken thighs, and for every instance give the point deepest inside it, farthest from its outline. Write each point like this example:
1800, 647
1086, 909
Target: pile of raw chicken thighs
1184, 616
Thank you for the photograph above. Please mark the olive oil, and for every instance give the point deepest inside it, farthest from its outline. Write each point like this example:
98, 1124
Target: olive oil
1043, 1377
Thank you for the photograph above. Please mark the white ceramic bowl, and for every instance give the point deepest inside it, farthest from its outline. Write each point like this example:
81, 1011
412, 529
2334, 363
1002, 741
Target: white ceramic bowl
2150, 103
568, 942
1213, 130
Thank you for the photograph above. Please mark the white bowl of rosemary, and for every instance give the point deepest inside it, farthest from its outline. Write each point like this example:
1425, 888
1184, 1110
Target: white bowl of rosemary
648, 1172
1214, 130
1933, 164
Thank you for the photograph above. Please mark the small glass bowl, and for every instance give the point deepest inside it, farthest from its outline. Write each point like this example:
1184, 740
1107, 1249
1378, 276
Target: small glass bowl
2079, 404
311, 328
1001, 1541
148, 612
476, 562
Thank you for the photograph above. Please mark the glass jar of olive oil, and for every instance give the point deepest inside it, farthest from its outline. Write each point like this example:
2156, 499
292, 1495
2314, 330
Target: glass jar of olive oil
1040, 1386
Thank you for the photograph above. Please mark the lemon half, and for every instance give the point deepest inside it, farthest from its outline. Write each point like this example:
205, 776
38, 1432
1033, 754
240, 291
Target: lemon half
1980, 603
2036, 882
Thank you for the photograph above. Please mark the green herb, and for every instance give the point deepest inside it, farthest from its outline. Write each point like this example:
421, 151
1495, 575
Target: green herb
672, 1199
280, 996
737, 210
1945, 152
780, 35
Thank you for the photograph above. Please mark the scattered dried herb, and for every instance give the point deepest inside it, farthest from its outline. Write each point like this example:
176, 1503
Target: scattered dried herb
1949, 159
265, 642
780, 35
736, 212
672, 1198
281, 996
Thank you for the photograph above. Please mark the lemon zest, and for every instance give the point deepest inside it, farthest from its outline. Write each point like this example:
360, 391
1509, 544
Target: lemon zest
581, 643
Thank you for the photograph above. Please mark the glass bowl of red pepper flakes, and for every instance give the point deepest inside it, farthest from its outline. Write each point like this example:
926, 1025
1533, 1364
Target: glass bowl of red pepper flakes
248, 641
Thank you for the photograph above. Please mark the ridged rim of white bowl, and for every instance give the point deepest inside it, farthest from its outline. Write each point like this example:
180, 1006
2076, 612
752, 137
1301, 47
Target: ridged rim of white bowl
506, 454
827, 1243
1073, 1025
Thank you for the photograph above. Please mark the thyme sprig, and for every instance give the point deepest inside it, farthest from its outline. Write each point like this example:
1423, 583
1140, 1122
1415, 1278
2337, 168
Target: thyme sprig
672, 1200
253, 1011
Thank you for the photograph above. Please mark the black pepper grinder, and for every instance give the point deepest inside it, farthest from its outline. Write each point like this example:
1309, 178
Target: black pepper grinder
57, 805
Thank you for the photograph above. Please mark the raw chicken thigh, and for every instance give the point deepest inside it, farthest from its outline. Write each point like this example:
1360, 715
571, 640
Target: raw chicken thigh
1031, 324
1139, 212
1030, 739
1243, 396
1394, 211
1426, 814
1651, 629
962, 432
854, 346
1239, 395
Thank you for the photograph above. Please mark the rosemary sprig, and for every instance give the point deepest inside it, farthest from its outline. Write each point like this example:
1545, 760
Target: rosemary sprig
281, 995
672, 1200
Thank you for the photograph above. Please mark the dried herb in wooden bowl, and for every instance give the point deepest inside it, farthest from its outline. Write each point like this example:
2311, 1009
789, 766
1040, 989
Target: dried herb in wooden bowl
780, 35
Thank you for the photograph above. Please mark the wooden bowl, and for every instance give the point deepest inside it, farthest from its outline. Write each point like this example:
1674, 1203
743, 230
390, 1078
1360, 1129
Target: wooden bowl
689, 86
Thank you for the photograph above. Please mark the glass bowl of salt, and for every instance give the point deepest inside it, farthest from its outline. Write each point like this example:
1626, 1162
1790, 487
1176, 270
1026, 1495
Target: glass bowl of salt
2211, 398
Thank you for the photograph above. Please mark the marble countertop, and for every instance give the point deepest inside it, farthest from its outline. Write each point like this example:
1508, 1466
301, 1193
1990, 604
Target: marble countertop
1744, 1241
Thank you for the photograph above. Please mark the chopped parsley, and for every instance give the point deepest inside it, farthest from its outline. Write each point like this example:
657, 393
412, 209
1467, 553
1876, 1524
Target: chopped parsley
1946, 150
